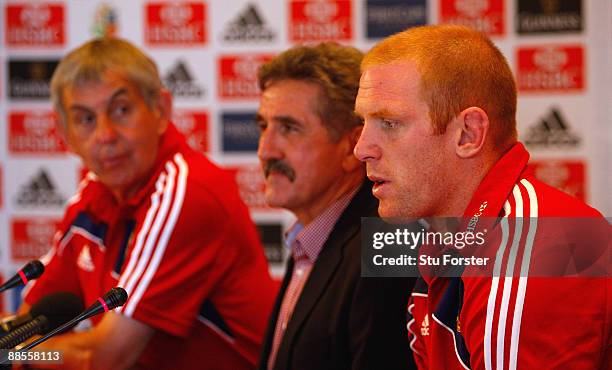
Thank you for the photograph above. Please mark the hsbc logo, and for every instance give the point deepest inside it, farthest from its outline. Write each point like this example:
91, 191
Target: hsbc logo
35, 16
565, 175
319, 20
34, 133
32, 238
172, 23
194, 125
320, 11
239, 75
38, 124
550, 68
472, 8
247, 67
483, 15
37, 24
176, 14
251, 184
550, 59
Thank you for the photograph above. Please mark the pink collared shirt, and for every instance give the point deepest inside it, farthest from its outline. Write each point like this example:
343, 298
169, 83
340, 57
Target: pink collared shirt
306, 244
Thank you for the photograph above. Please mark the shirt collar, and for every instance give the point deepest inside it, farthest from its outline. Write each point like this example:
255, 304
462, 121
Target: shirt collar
307, 241
169, 144
488, 199
494, 189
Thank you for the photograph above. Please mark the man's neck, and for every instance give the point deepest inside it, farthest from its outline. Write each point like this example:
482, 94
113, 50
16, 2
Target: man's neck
462, 191
344, 186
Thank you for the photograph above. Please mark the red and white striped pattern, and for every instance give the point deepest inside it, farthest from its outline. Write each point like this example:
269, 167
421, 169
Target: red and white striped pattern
152, 238
507, 294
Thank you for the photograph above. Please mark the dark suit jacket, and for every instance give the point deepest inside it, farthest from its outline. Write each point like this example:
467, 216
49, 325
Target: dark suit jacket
342, 321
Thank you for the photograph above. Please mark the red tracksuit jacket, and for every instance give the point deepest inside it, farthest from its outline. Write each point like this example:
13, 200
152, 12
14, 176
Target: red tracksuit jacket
520, 318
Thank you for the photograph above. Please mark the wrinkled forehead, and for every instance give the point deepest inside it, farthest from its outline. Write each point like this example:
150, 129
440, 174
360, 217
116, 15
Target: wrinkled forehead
107, 76
97, 90
291, 97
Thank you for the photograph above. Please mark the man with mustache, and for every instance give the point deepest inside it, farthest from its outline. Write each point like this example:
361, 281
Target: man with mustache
326, 316
439, 140
152, 216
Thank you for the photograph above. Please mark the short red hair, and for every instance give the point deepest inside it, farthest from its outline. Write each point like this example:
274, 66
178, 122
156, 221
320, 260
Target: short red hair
459, 68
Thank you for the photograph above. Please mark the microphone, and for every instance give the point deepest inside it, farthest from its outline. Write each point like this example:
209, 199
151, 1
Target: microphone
47, 314
32, 270
114, 298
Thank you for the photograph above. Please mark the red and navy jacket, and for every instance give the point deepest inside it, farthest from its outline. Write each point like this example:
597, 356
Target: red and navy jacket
185, 250
516, 318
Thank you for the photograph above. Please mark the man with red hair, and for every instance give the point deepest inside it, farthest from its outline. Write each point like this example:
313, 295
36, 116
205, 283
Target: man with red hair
439, 140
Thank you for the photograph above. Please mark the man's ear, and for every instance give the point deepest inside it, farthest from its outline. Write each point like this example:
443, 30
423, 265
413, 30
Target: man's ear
472, 127
163, 107
349, 162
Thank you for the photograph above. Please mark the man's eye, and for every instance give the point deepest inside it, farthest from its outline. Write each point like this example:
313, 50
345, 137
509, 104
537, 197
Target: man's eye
388, 124
261, 125
288, 128
85, 119
120, 110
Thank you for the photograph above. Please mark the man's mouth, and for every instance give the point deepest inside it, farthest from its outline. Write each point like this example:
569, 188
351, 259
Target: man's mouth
113, 161
379, 184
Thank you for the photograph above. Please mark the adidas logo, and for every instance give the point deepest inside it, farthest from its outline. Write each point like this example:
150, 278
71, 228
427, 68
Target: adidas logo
551, 131
40, 191
425, 326
180, 81
248, 26
84, 261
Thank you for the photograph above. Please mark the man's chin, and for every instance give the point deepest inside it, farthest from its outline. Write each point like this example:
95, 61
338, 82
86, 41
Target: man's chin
395, 215
387, 215
386, 210
274, 199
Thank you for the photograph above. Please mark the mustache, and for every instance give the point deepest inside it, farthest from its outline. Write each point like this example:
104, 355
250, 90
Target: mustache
278, 166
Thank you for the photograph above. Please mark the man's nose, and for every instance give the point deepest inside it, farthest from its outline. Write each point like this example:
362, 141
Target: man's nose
106, 130
367, 148
269, 146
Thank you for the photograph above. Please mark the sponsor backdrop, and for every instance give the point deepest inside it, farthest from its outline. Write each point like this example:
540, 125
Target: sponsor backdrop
208, 53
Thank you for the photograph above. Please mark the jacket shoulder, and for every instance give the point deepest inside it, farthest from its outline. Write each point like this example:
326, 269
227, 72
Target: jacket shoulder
554, 202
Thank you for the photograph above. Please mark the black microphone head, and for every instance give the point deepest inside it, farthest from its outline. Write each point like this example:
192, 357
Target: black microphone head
58, 308
115, 297
112, 299
33, 269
